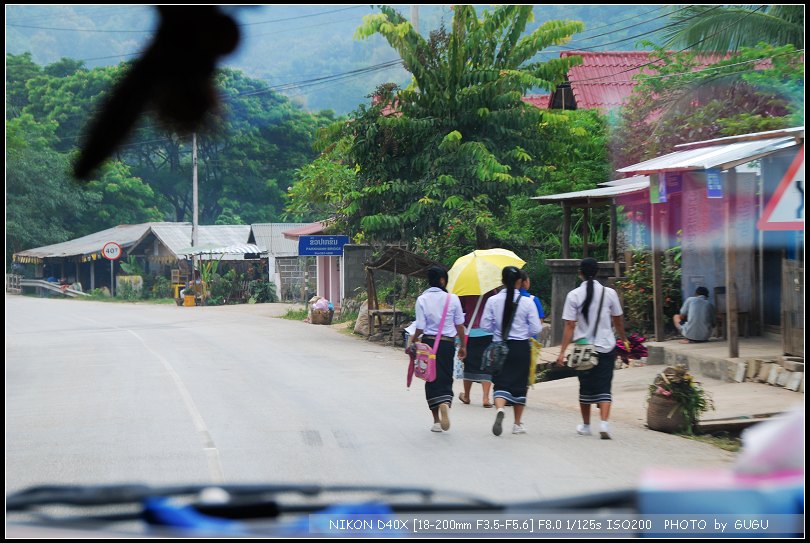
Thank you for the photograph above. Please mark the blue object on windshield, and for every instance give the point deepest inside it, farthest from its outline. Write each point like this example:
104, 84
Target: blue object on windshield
163, 511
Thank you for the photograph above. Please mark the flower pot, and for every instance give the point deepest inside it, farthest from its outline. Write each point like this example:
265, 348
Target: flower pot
665, 415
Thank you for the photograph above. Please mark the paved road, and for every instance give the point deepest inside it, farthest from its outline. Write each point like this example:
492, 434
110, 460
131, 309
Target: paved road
100, 393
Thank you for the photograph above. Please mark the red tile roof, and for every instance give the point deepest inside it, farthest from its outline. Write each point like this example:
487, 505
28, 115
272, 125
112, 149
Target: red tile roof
308, 230
542, 101
604, 80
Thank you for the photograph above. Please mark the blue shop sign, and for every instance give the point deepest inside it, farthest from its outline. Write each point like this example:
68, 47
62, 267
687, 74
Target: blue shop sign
321, 245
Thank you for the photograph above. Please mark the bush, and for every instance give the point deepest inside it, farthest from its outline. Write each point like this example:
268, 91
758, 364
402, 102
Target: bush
637, 289
161, 287
127, 291
262, 291
223, 287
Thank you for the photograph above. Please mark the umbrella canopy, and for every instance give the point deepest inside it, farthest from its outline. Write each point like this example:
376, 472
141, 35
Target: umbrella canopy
480, 271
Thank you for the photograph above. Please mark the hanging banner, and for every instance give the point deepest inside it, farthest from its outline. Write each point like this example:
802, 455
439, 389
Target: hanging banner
674, 182
655, 197
714, 187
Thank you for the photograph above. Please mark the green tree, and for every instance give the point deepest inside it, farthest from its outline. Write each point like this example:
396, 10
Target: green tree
758, 89
458, 142
730, 28
323, 187
19, 70
41, 201
120, 198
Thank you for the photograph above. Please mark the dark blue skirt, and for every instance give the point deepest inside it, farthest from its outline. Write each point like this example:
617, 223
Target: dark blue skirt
441, 390
513, 381
595, 383
472, 364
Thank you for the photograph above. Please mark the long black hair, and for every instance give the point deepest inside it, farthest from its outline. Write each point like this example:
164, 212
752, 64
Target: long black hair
589, 267
509, 276
435, 274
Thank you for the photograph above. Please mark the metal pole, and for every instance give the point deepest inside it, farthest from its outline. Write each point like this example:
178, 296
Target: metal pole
586, 219
112, 281
656, 240
194, 196
732, 330
566, 237
415, 18
761, 240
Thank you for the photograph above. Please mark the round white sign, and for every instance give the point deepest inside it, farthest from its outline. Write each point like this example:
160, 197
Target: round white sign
112, 251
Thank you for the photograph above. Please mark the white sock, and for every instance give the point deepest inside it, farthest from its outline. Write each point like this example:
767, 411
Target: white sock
500, 409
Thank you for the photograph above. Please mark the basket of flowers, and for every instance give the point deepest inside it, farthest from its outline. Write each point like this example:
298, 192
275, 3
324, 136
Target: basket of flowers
676, 401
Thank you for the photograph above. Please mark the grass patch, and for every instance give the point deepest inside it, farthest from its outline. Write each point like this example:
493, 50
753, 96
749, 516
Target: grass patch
725, 442
296, 314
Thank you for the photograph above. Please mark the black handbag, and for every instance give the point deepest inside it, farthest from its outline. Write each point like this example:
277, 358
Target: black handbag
494, 356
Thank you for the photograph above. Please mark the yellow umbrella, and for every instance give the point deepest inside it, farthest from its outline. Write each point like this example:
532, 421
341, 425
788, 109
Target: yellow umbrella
480, 271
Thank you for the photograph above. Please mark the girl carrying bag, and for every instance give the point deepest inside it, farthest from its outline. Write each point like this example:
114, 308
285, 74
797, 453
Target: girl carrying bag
495, 354
423, 357
584, 357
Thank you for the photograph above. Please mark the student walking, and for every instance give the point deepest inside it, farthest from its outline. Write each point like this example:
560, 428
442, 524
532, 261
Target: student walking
478, 340
590, 313
514, 322
431, 307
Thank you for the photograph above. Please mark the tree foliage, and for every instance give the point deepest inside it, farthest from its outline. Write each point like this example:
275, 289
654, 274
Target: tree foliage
247, 156
458, 141
758, 89
730, 28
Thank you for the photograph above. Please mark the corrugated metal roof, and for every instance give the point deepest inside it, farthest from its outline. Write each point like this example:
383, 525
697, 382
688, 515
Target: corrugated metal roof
177, 236
124, 235
604, 80
796, 131
270, 237
716, 156
604, 192
625, 181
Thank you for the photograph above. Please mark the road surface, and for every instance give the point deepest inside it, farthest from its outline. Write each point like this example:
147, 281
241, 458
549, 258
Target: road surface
109, 392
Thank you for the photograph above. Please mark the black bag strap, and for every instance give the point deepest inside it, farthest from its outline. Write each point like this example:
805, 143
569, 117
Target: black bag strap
509, 328
598, 313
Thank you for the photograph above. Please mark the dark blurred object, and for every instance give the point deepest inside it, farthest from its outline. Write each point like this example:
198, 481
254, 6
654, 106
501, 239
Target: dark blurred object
174, 76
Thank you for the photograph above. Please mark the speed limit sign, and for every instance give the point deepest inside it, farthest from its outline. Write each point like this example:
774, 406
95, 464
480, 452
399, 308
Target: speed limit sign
111, 251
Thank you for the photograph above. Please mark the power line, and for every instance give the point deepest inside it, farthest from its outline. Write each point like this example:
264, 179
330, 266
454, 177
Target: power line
122, 31
302, 16
245, 37
568, 48
611, 24
93, 11
712, 68
307, 83
634, 25
676, 52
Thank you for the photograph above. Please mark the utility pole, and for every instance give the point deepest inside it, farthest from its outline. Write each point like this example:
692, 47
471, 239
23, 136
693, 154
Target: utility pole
194, 198
415, 18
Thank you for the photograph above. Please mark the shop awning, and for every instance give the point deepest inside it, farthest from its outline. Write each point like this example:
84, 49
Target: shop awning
721, 156
634, 185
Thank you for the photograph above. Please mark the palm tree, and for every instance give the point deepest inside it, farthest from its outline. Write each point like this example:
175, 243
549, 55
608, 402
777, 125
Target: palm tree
706, 29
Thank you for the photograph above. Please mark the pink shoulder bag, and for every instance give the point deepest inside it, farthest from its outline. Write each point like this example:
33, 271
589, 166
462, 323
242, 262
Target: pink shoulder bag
423, 360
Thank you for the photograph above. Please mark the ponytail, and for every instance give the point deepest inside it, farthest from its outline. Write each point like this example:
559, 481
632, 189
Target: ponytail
509, 276
589, 267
